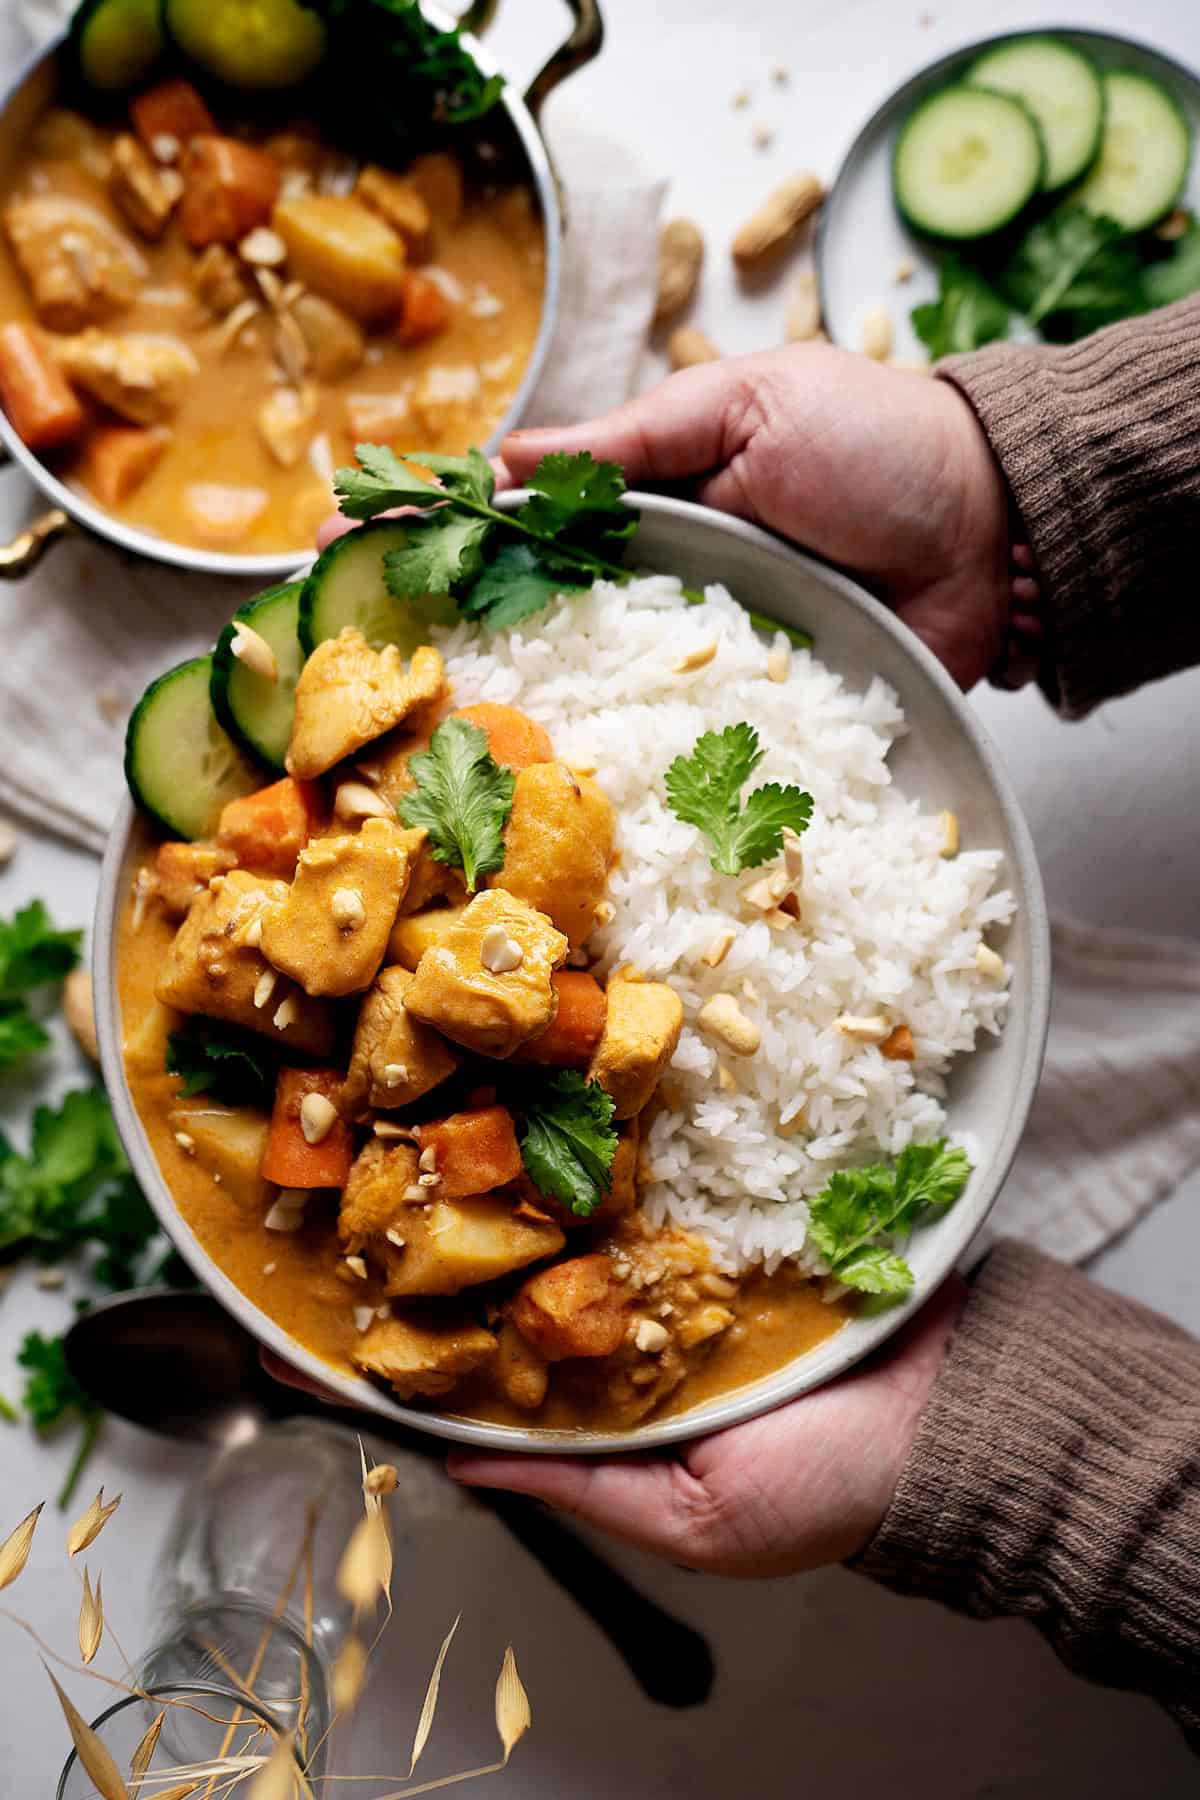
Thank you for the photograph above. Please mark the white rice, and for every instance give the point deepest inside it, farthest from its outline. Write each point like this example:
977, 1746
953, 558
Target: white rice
888, 925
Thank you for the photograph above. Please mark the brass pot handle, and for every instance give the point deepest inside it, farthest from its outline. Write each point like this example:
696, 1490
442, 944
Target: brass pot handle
29, 546
582, 45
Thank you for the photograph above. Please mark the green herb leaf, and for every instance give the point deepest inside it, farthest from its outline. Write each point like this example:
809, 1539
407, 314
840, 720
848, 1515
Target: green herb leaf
20, 1033
50, 1388
1073, 272
236, 1067
857, 1208
569, 1141
444, 551
469, 477
515, 585
33, 952
381, 481
462, 797
704, 789
1176, 276
967, 312
580, 501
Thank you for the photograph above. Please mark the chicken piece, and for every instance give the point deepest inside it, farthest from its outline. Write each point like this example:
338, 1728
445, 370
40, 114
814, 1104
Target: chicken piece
412, 935
444, 398
143, 192
330, 929
285, 422
141, 375
558, 846
219, 280
210, 967
373, 1200
223, 512
520, 1373
349, 694
379, 418
61, 135
183, 871
79, 267
640, 1036
489, 1009
461, 1243
395, 1058
429, 881
576, 1308
400, 204
438, 178
341, 249
334, 342
427, 1350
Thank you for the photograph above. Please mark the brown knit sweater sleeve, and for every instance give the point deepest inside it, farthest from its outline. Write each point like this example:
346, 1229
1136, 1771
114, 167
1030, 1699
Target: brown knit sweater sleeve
1100, 444
1056, 1475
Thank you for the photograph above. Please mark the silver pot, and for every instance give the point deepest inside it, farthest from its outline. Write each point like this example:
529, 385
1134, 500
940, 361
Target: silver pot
33, 89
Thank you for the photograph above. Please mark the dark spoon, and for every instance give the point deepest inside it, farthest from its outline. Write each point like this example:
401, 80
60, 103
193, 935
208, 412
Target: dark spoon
175, 1362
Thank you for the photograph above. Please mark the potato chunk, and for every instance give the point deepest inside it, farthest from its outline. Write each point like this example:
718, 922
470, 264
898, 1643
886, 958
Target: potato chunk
210, 967
182, 871
227, 1141
79, 268
334, 342
315, 934
460, 1243
340, 249
576, 1308
490, 1011
412, 935
373, 1199
558, 845
640, 1036
349, 694
395, 1058
426, 1351
141, 375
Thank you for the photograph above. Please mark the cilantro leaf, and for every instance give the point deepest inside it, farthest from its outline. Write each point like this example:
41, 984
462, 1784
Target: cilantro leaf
381, 481
235, 1067
579, 500
444, 550
33, 952
1073, 272
967, 312
515, 585
50, 1388
859, 1207
462, 797
704, 789
20, 1033
1176, 276
569, 1141
470, 477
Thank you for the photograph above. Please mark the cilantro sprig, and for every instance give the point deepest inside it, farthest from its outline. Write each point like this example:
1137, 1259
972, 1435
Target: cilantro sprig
704, 789
859, 1213
33, 953
233, 1066
569, 1141
463, 798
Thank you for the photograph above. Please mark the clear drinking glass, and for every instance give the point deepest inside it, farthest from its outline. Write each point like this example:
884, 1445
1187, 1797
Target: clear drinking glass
202, 1724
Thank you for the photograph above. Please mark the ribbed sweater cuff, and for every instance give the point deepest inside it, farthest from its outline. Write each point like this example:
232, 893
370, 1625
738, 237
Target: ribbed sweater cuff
1056, 1476
1100, 444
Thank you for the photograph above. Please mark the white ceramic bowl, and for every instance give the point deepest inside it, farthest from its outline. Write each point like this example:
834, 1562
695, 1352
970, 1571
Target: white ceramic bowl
946, 760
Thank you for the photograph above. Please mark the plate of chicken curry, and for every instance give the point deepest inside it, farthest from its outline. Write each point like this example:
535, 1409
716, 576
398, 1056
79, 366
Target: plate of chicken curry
492, 1039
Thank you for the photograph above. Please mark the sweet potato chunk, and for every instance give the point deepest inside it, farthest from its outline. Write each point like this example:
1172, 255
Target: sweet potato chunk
475, 1151
117, 459
34, 392
490, 1011
267, 831
170, 109
288, 1157
426, 1350
576, 1308
572, 1035
228, 188
424, 311
514, 739
330, 929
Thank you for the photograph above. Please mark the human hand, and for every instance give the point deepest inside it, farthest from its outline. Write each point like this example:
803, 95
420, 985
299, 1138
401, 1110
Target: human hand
803, 1486
886, 473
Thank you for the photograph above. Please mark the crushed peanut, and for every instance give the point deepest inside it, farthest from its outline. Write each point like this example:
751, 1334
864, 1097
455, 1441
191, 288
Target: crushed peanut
318, 1116
413, 1192
871, 1030
699, 658
877, 334
356, 1266
795, 1122
650, 1336
719, 949
499, 953
387, 1128
186, 1142
430, 1180
725, 1080
722, 1018
287, 1212
898, 1045
779, 661
347, 908
793, 852
355, 800
948, 823
427, 1161
264, 987
285, 1013
604, 912
363, 1316
394, 1238
990, 966
263, 247
395, 1074
905, 269
765, 894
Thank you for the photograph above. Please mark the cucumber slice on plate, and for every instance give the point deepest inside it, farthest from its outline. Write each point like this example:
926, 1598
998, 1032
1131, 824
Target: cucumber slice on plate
248, 43
965, 163
181, 767
346, 587
1144, 155
255, 711
1062, 89
116, 42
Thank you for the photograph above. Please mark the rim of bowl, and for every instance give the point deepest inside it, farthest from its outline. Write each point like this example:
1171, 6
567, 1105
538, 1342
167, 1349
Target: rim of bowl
198, 560
835, 1355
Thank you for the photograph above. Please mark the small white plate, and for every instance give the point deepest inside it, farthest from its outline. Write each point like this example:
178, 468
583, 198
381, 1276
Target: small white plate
861, 239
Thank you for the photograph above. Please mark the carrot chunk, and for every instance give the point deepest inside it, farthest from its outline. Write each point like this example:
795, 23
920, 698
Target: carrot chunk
266, 831
569, 1040
34, 391
473, 1152
514, 739
289, 1158
117, 459
228, 188
424, 310
170, 109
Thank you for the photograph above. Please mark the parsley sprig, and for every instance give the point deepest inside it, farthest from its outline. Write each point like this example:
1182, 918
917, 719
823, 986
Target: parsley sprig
33, 953
859, 1213
704, 789
463, 798
569, 1141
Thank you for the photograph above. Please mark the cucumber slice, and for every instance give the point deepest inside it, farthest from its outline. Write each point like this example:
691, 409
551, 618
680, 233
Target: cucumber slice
116, 42
966, 162
346, 587
1062, 89
181, 767
1144, 155
257, 713
248, 43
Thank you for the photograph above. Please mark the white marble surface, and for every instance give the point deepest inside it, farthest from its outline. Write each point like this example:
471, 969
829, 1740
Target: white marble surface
822, 1680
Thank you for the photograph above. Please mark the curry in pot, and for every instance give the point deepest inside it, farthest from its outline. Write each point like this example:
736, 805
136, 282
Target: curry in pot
438, 1180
